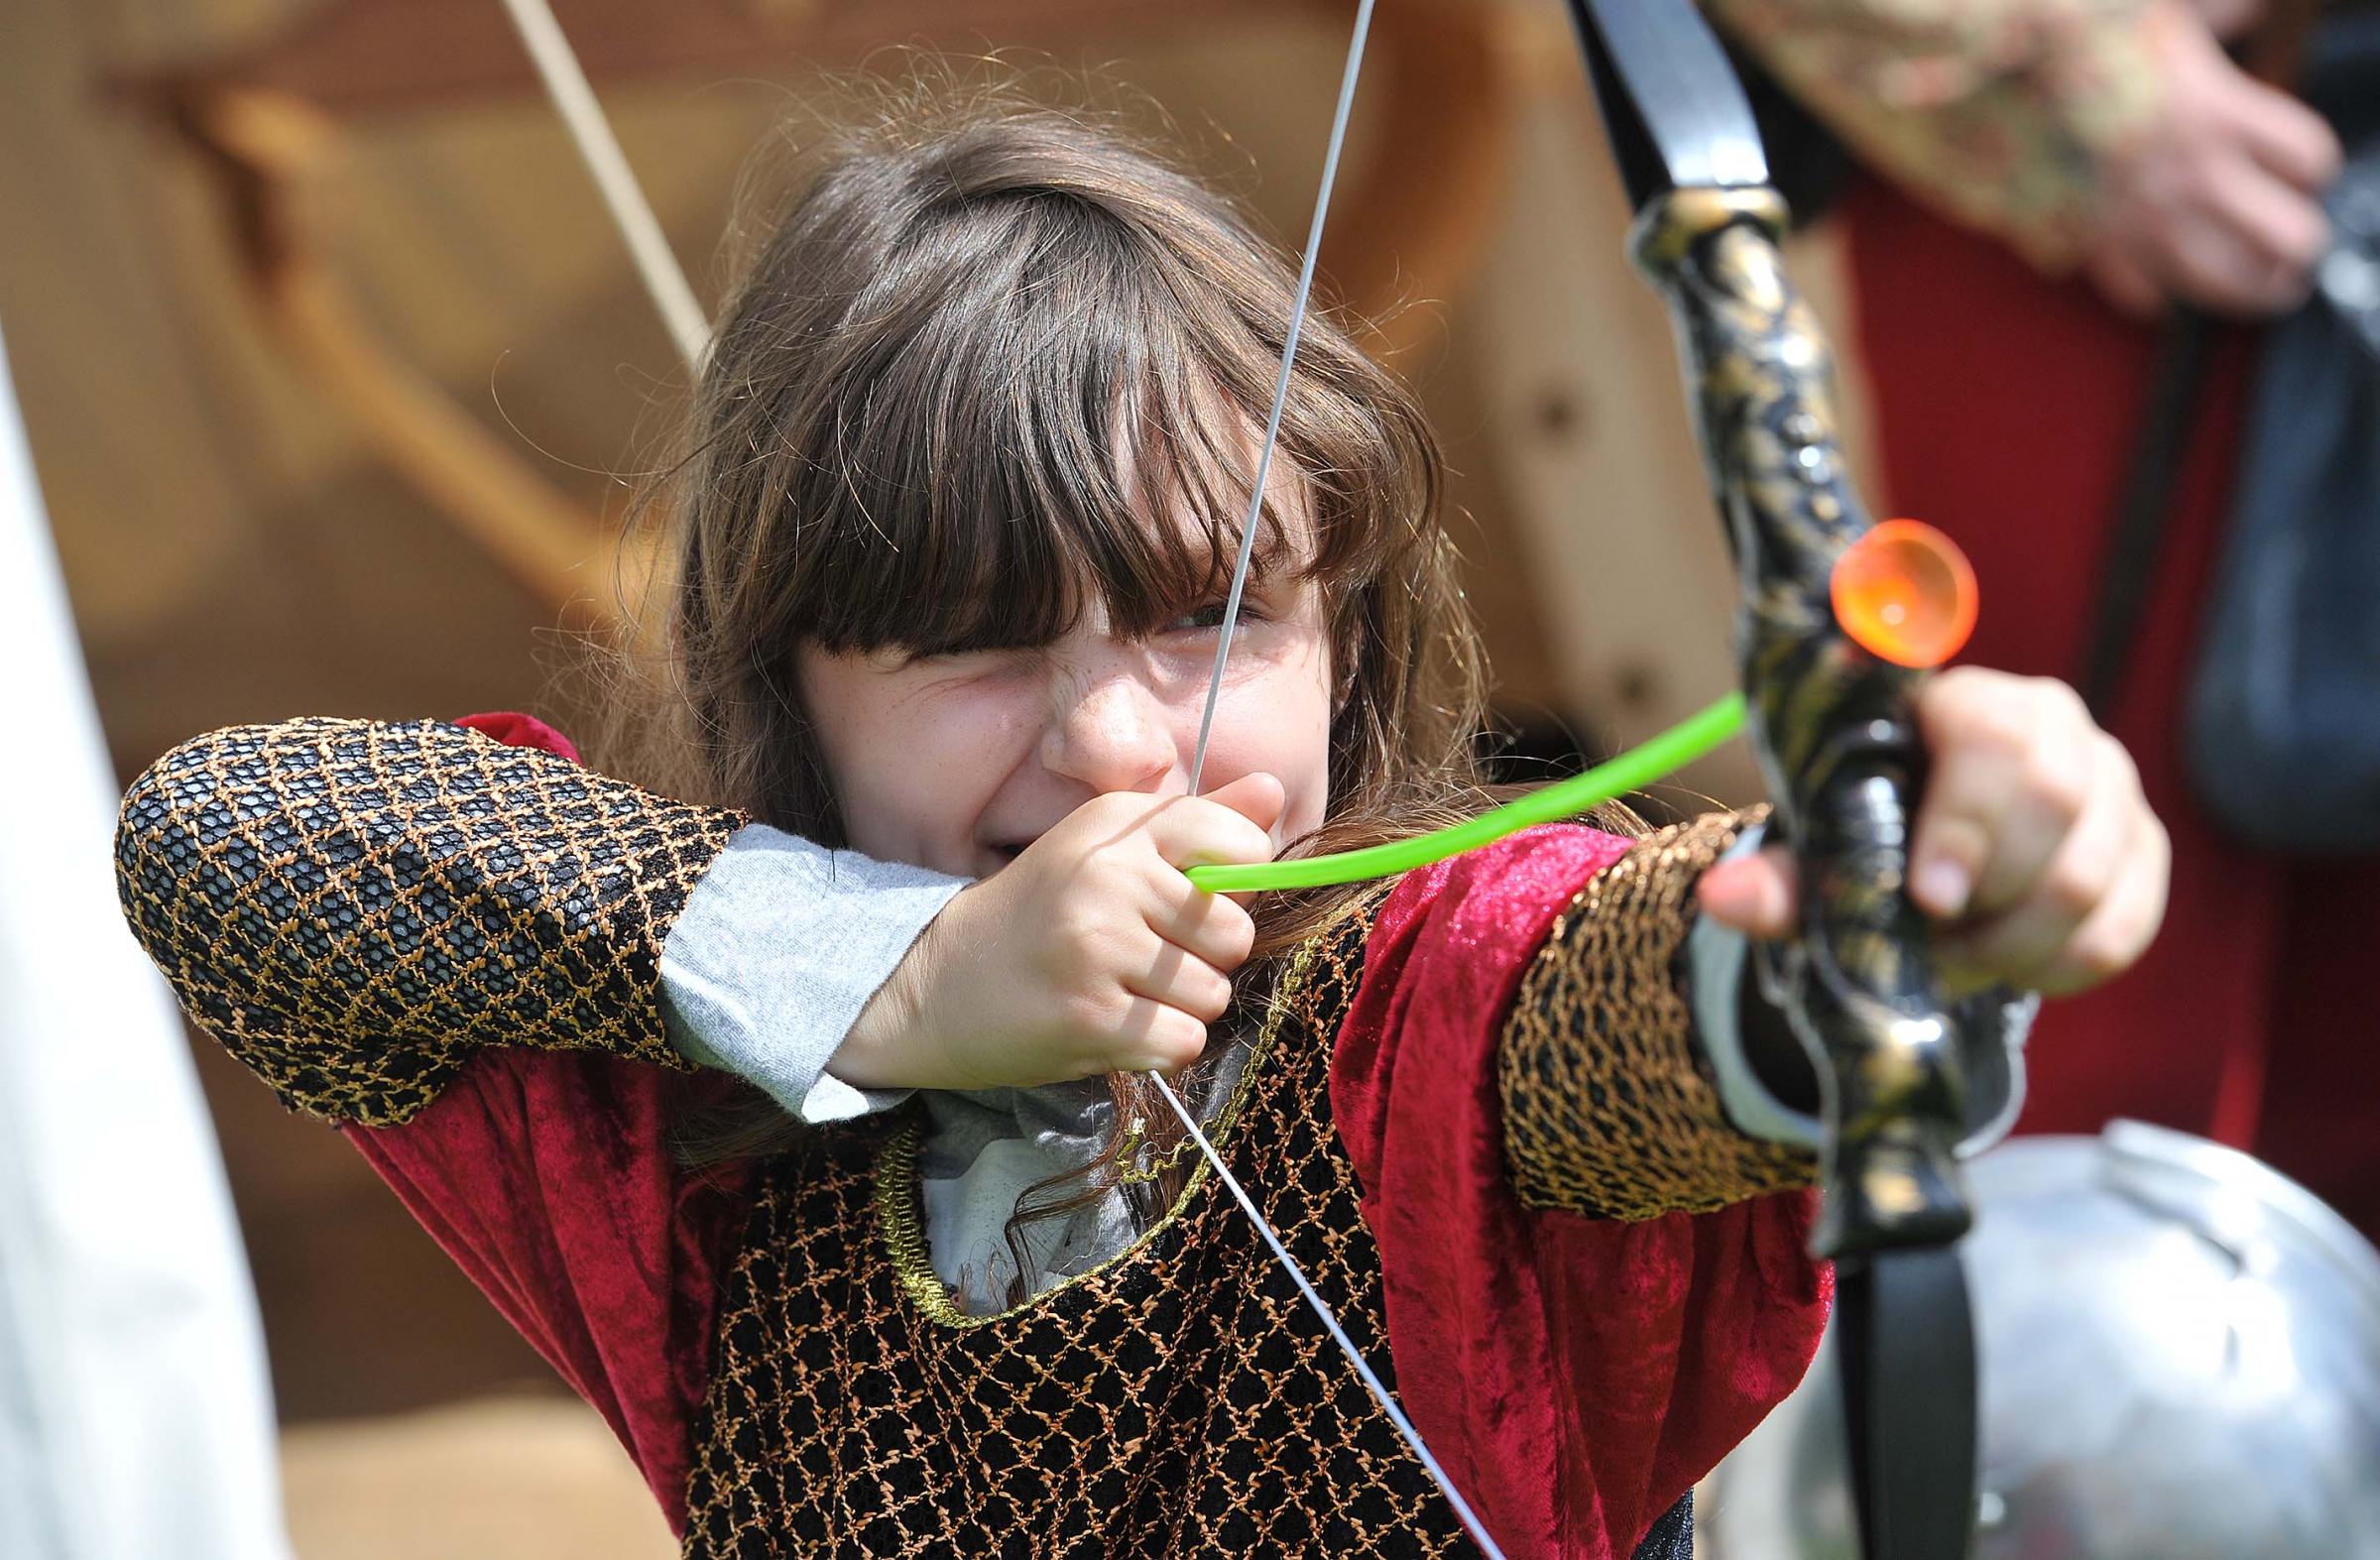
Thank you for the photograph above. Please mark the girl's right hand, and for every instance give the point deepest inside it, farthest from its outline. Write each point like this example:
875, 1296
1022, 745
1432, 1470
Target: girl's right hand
1090, 953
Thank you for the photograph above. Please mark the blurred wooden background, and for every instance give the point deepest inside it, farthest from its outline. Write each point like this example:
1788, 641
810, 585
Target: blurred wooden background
240, 545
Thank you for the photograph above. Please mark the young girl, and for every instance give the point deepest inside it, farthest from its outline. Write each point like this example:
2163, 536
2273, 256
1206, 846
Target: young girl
950, 544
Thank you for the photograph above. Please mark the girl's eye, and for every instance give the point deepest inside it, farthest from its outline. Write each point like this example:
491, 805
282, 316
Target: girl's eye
959, 663
1209, 618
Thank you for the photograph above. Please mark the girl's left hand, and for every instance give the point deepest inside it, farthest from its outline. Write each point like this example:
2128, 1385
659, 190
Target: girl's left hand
2036, 855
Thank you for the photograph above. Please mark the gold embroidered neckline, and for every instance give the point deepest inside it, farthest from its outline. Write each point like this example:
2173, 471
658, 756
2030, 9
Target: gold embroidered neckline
900, 1196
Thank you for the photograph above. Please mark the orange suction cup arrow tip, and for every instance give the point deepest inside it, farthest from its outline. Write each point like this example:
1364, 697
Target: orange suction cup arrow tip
1905, 593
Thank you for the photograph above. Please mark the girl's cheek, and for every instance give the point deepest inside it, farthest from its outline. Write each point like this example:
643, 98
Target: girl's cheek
915, 767
984, 750
1278, 721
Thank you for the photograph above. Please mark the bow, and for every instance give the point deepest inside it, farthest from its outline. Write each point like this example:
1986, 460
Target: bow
1831, 685
1830, 718
1835, 621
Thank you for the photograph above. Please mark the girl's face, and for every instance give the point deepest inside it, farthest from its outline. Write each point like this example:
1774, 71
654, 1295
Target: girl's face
957, 763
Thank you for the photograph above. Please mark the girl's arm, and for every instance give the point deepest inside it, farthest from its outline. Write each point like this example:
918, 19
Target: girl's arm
356, 908
1576, 1374
1615, 1104
1641, 1069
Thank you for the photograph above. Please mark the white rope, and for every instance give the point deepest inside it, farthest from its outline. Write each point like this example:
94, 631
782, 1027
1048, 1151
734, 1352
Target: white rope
575, 101
664, 281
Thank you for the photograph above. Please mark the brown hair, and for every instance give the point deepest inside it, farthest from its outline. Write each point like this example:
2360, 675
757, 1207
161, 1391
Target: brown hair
966, 354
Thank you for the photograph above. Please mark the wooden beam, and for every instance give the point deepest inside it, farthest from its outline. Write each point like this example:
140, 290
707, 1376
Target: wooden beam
268, 120
371, 56
1424, 204
268, 149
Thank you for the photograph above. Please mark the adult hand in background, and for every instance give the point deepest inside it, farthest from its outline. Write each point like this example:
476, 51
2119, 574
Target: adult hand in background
2228, 20
2213, 202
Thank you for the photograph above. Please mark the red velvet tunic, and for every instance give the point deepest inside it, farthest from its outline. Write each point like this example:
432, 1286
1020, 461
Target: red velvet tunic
1576, 1374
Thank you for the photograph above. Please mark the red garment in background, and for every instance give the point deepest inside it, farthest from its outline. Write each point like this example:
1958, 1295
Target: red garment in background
2007, 406
1577, 1374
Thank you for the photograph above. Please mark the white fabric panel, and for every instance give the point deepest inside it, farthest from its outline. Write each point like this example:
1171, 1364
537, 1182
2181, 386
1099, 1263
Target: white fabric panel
136, 1416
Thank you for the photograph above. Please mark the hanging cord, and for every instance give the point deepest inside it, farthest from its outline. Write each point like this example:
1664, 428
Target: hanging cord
583, 115
664, 282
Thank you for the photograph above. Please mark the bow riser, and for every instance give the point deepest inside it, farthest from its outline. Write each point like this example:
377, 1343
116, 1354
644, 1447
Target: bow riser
1832, 724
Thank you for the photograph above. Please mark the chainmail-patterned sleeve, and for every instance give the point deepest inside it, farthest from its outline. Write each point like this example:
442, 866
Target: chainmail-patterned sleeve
1609, 1106
354, 909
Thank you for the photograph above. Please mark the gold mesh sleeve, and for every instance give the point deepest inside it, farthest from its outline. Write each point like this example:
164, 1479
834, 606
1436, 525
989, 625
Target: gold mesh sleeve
354, 909
1607, 1108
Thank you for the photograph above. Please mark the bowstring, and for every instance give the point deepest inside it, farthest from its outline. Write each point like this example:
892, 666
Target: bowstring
1380, 1395
1355, 1356
666, 281
1280, 383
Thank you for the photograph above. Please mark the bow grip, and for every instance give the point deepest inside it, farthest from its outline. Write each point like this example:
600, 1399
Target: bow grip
1832, 724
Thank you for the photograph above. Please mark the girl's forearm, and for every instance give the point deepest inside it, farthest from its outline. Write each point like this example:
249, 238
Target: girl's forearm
1612, 1105
788, 967
353, 908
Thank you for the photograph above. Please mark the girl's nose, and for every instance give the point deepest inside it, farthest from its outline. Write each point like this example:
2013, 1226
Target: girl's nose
1110, 733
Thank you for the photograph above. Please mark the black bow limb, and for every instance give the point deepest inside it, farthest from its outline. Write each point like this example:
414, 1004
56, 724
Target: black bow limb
1833, 728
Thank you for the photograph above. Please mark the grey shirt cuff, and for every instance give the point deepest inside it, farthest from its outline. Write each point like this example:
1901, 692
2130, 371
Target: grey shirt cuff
777, 949
1718, 960
1717, 963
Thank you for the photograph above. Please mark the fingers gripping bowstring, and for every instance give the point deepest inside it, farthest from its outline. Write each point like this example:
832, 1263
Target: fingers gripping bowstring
575, 101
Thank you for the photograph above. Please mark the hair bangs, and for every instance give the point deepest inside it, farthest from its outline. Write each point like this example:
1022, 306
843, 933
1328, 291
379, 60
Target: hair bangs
991, 368
1042, 423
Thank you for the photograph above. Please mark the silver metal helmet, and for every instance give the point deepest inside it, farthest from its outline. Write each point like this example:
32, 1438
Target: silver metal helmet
2180, 1353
